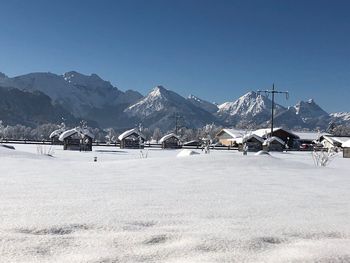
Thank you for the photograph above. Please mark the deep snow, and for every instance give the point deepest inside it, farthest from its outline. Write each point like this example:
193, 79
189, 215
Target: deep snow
221, 207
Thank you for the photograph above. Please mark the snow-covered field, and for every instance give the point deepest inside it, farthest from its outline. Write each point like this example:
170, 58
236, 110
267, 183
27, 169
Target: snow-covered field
221, 207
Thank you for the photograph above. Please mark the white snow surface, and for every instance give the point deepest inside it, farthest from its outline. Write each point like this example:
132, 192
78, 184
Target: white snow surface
186, 153
217, 207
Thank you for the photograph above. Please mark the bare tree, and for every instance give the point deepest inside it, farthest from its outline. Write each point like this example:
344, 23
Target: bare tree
157, 134
324, 157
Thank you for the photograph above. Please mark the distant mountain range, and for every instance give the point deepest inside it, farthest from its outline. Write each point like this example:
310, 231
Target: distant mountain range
37, 98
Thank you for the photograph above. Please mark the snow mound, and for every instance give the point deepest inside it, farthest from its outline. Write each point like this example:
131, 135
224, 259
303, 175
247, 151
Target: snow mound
7, 146
262, 153
186, 152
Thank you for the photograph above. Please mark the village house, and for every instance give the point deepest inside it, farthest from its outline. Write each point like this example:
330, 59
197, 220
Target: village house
228, 137
274, 144
132, 139
54, 136
346, 149
171, 141
78, 139
289, 138
330, 141
252, 142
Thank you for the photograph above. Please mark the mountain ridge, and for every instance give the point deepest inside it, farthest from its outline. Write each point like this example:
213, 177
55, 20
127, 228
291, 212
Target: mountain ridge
91, 97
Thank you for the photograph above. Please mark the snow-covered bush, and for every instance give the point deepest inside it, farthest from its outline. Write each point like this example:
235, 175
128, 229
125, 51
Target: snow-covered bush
324, 157
45, 150
143, 154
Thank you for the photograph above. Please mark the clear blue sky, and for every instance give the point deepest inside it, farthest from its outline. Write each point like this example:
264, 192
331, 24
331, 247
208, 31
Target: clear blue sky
216, 50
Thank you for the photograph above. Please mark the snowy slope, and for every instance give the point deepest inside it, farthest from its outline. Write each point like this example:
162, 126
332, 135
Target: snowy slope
30, 108
251, 108
342, 118
159, 107
205, 105
80, 94
75, 91
274, 209
309, 110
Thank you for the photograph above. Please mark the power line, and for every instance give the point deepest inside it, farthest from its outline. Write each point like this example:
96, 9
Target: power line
178, 118
273, 92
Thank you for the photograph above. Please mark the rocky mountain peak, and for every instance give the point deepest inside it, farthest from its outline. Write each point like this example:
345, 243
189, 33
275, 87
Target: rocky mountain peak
309, 109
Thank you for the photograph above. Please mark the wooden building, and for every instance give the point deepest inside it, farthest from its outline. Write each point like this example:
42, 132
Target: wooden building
274, 144
77, 139
253, 142
228, 137
289, 138
330, 141
54, 136
170, 141
346, 149
132, 139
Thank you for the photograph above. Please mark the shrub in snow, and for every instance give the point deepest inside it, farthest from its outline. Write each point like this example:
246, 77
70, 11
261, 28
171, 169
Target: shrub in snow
44, 150
324, 157
143, 154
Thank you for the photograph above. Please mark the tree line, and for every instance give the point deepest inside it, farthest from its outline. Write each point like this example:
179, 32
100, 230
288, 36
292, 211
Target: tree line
109, 135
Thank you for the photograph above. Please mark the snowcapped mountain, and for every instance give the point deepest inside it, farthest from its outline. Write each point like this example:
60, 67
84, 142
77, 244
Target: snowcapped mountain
79, 94
31, 108
251, 108
342, 118
76, 96
311, 114
159, 108
309, 110
205, 105
288, 119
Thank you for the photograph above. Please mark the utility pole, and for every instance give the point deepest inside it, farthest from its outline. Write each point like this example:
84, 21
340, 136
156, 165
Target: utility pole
140, 131
273, 92
177, 122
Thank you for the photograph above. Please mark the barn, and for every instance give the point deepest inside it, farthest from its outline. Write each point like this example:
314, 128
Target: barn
289, 138
253, 142
77, 139
132, 139
170, 141
274, 144
54, 136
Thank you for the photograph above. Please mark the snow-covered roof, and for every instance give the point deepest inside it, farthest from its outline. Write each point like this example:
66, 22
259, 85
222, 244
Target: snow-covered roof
267, 131
232, 132
346, 144
164, 138
310, 135
129, 132
245, 138
252, 135
88, 133
273, 138
56, 133
336, 139
81, 132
